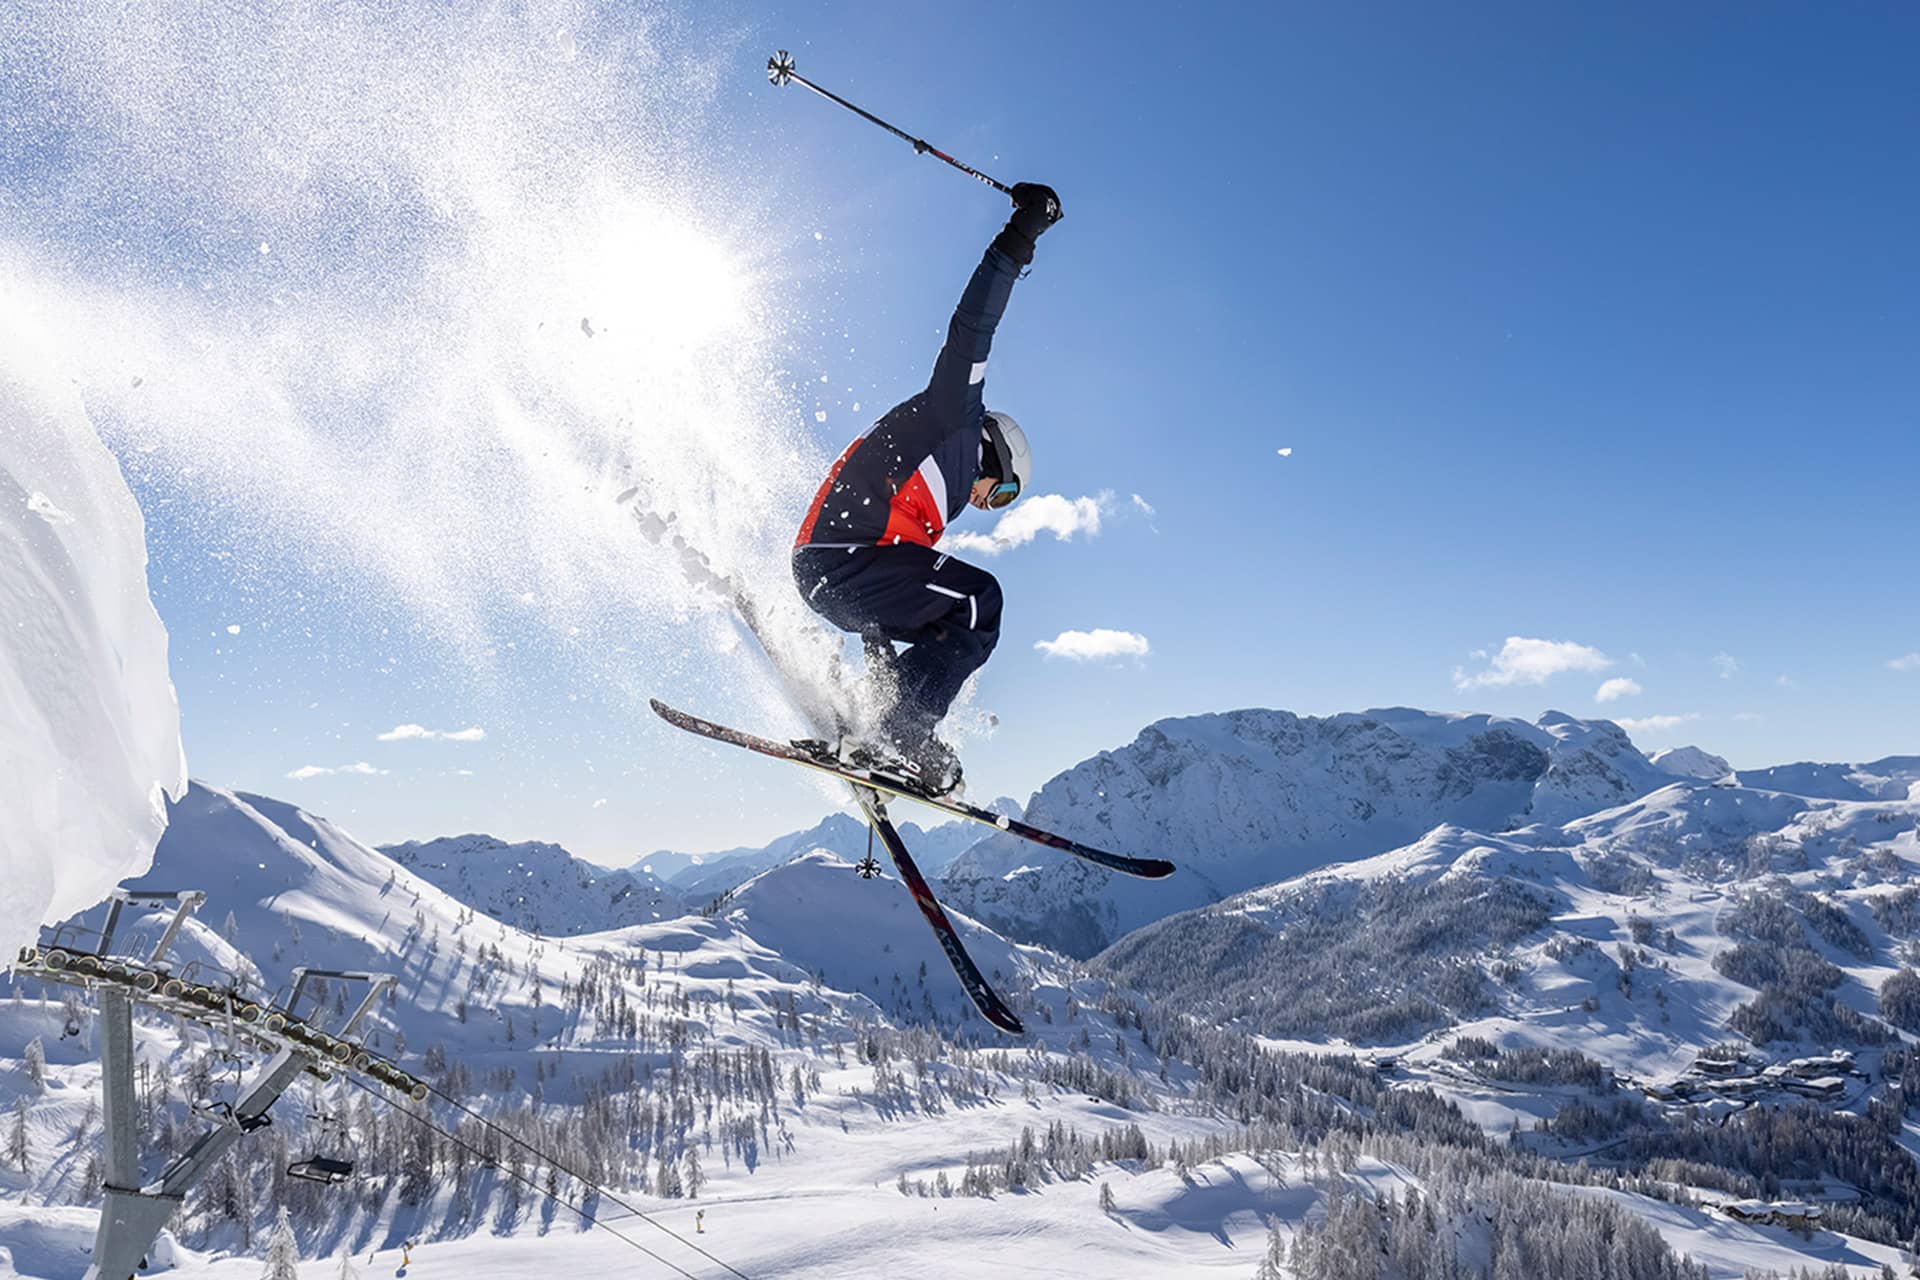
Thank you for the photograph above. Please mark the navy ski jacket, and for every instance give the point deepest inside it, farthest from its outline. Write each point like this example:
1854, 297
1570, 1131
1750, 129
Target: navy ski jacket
912, 471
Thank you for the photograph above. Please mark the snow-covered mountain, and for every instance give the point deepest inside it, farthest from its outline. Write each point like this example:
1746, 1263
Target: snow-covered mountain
1639, 935
1246, 798
1513, 972
699, 877
1690, 762
537, 887
1893, 778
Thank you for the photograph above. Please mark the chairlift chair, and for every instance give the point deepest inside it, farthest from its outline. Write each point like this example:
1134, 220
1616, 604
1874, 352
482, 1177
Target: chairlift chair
322, 1169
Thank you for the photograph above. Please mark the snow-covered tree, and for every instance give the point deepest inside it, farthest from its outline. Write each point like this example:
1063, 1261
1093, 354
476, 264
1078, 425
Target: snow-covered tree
35, 1061
283, 1251
17, 1136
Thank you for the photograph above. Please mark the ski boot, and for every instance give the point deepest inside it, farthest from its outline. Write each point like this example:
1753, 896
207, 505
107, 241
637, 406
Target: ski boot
932, 768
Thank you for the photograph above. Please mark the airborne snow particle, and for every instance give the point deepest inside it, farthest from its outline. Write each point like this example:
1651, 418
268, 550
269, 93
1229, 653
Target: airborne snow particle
233, 629
816, 235
1285, 453
264, 248
820, 415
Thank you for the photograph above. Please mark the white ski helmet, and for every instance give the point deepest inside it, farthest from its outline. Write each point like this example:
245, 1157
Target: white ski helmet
1003, 436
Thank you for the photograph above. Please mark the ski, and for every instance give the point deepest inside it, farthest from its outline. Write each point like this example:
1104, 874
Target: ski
984, 997
817, 758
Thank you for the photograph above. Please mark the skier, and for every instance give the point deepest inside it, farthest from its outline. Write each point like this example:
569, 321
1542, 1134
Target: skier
864, 558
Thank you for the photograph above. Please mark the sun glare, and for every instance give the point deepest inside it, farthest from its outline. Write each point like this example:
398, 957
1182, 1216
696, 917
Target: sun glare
646, 278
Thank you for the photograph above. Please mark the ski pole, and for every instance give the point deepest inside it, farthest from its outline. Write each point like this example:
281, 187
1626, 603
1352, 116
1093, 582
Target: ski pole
780, 71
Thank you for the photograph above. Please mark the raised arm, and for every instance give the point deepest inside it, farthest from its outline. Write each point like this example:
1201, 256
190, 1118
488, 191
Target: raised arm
961, 368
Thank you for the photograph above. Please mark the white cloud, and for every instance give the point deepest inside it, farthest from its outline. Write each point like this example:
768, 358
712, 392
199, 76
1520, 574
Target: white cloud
1785, 682
1910, 662
1727, 665
1043, 513
306, 771
601, 803
1618, 687
1090, 646
1145, 508
1525, 661
419, 733
1657, 724
1748, 717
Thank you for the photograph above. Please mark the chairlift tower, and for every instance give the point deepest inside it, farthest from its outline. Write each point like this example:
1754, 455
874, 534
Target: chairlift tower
133, 1214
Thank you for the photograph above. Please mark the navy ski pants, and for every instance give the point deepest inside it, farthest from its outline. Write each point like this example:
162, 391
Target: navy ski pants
946, 609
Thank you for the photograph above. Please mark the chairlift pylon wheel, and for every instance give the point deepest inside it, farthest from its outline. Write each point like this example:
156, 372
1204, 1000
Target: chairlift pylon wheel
57, 959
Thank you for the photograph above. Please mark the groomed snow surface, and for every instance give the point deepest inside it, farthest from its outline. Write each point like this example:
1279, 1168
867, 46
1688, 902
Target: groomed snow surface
89, 728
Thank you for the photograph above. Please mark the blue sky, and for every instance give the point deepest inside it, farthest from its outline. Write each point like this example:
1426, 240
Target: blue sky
1591, 325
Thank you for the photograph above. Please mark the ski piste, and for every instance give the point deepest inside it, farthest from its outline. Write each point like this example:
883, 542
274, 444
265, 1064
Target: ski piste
1144, 868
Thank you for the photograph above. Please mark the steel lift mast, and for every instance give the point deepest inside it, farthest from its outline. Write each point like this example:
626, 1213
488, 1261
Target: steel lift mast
133, 1214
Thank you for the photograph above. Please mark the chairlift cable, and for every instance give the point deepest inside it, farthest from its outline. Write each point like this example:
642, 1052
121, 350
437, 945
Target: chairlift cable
510, 1136
588, 1217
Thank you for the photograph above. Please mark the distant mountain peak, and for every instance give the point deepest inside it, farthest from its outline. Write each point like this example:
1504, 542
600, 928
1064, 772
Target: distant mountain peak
536, 885
1247, 797
1691, 762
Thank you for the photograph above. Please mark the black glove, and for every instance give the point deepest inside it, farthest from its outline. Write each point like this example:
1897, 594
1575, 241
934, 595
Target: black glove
1035, 208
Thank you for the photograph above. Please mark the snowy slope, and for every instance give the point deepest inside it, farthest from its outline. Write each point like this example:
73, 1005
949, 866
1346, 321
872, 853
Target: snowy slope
535, 886
1526, 936
1250, 797
807, 910
89, 728
812, 964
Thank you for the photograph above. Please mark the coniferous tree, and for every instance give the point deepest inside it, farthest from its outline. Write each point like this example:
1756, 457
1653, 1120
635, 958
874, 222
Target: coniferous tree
17, 1148
283, 1251
35, 1061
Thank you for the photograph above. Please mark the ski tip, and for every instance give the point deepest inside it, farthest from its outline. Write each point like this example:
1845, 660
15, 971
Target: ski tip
1007, 1022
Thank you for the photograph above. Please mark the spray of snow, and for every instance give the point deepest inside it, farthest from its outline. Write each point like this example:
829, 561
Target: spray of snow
89, 729
395, 308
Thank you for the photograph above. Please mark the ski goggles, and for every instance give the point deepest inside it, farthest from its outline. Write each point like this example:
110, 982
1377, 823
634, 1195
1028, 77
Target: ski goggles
1002, 494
